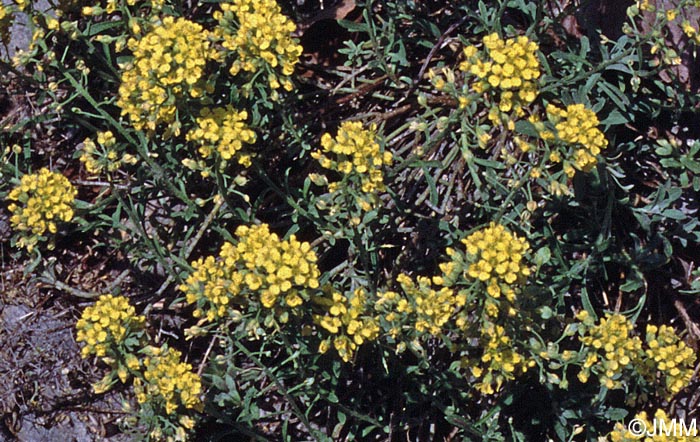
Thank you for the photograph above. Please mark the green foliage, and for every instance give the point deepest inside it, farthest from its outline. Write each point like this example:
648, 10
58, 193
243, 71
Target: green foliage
460, 225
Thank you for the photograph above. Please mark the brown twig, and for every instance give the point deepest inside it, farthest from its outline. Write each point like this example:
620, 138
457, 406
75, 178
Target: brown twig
433, 51
362, 90
692, 327
200, 369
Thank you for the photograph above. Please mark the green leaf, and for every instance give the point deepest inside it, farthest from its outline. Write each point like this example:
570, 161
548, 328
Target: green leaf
368, 429
616, 414
561, 431
616, 118
592, 80
674, 214
546, 312
489, 163
354, 27
100, 28
431, 186
632, 285
691, 164
664, 148
620, 100
586, 302
542, 256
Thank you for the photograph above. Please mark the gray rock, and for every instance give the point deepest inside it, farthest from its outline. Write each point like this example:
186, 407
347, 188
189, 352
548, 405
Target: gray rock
20, 35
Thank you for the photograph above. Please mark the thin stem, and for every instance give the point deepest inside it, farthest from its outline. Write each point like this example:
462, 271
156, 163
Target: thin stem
281, 389
190, 247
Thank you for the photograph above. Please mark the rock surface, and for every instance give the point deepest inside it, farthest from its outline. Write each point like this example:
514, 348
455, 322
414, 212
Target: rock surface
20, 35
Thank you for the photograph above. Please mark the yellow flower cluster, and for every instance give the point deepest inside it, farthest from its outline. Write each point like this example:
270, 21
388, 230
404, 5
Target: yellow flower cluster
106, 324
42, 199
578, 126
494, 256
273, 266
174, 432
432, 308
213, 285
169, 62
103, 155
666, 353
223, 130
388, 310
672, 430
260, 262
345, 316
168, 381
510, 66
357, 152
499, 362
261, 37
613, 349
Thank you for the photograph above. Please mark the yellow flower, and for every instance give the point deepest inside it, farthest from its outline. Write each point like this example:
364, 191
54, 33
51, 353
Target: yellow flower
688, 29
103, 385
22, 4
667, 355
105, 325
348, 317
355, 151
508, 66
103, 156
259, 262
261, 37
495, 256
578, 127
168, 65
222, 130
612, 348
168, 382
432, 309
499, 362
40, 201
